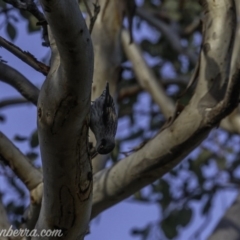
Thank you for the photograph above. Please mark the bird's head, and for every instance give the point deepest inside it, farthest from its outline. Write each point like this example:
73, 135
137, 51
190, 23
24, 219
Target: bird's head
105, 146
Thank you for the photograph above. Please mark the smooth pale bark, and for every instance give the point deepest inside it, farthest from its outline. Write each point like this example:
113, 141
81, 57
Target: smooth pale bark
107, 46
63, 119
216, 96
21, 166
146, 76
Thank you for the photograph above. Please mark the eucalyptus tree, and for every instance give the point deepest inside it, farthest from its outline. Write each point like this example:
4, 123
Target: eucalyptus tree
71, 188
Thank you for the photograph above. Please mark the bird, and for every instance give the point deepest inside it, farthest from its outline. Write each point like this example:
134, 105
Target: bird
103, 121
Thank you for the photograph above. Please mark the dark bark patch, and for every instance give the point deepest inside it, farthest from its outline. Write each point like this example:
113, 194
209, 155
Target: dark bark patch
71, 50
85, 190
90, 176
67, 209
39, 112
46, 8
62, 112
214, 36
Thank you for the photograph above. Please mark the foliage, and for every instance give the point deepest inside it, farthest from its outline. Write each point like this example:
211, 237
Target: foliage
208, 170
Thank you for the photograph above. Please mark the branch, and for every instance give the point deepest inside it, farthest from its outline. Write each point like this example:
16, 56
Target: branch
229, 225
20, 165
129, 91
4, 222
29, 175
31, 214
94, 17
107, 56
19, 82
26, 57
136, 88
12, 101
169, 33
5, 225
191, 127
146, 77
232, 122
63, 119
175, 41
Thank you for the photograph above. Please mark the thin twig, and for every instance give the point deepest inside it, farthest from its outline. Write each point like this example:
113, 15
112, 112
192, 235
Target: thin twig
193, 26
13, 101
130, 10
94, 17
26, 57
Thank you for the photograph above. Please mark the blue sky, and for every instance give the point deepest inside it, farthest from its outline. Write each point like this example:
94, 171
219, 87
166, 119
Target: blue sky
116, 222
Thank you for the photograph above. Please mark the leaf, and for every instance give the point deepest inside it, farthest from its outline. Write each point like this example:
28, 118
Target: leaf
11, 31
169, 225
2, 118
2, 60
19, 138
138, 196
32, 24
221, 163
32, 155
185, 216
197, 197
174, 173
164, 188
2, 5
144, 232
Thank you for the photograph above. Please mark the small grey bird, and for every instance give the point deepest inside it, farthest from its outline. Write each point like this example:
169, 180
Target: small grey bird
103, 122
